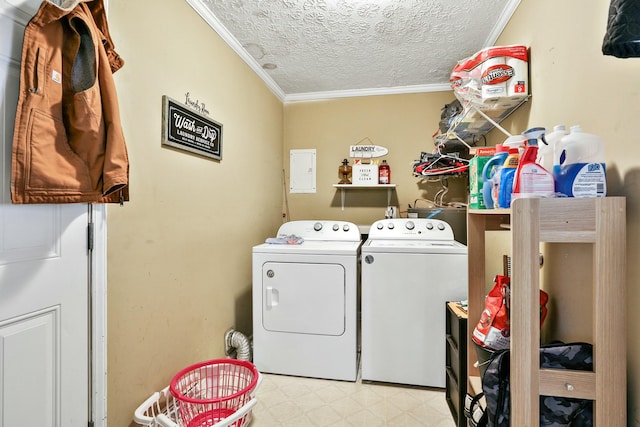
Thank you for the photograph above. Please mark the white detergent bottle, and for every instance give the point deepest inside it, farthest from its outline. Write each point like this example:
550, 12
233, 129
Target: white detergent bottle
579, 169
546, 148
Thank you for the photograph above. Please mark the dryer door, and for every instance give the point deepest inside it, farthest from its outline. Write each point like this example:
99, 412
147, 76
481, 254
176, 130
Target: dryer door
304, 298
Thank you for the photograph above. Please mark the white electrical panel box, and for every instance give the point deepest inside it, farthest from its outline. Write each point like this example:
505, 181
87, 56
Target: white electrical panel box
302, 171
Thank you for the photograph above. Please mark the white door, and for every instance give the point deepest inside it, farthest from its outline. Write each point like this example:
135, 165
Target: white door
44, 279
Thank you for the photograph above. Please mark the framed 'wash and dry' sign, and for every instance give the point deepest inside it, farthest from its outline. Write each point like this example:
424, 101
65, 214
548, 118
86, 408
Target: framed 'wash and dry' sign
188, 130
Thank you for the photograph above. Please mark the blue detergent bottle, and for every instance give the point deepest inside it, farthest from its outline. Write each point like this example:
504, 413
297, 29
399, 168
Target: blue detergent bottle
507, 175
490, 171
579, 169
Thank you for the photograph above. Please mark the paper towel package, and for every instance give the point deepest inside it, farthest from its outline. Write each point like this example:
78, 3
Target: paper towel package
496, 75
364, 173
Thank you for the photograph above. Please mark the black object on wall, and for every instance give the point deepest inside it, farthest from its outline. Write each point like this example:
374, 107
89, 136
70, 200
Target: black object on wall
622, 38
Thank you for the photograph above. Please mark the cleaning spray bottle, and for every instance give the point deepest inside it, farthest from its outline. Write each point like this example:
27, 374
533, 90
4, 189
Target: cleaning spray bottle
580, 165
490, 172
515, 141
531, 179
503, 186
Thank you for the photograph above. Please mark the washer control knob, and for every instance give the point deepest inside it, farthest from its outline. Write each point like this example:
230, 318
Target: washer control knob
391, 226
410, 225
440, 226
336, 227
380, 226
345, 227
429, 226
317, 226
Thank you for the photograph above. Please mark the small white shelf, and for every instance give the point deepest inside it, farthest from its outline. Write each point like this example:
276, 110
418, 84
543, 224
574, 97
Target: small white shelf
344, 187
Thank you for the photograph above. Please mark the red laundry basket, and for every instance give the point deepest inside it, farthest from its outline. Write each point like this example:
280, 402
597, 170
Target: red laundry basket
211, 391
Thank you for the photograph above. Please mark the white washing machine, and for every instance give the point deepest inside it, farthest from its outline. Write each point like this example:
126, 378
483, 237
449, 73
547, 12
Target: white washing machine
410, 268
305, 301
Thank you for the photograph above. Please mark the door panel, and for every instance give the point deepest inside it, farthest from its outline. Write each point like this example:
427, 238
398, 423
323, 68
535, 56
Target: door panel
39, 241
303, 298
30, 340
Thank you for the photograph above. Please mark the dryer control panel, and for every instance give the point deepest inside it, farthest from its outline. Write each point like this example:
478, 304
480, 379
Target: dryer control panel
411, 229
342, 231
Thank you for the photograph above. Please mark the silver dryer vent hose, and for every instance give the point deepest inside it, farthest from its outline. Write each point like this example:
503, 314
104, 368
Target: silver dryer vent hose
238, 341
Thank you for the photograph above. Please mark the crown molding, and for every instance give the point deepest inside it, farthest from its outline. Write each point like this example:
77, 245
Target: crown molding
398, 90
502, 22
208, 16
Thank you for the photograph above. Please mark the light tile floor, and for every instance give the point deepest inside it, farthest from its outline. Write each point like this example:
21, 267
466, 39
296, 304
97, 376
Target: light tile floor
294, 401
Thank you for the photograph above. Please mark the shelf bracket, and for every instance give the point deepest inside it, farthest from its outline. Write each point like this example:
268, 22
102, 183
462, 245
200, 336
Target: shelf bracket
493, 122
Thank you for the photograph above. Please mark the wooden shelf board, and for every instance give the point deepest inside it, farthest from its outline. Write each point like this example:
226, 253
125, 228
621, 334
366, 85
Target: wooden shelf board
372, 187
498, 211
458, 310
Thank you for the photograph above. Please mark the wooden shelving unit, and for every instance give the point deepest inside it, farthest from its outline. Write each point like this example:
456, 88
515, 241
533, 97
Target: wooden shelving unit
598, 221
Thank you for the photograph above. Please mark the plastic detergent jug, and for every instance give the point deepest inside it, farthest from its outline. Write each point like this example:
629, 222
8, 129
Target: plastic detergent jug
546, 149
492, 169
580, 165
531, 179
505, 182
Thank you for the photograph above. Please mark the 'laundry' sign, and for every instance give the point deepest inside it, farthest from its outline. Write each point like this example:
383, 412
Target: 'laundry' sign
367, 151
188, 130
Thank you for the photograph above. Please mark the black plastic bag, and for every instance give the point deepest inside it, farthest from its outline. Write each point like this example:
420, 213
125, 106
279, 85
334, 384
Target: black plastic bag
622, 38
554, 411
449, 112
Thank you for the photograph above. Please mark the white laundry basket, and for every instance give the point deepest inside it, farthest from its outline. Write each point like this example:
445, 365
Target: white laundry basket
162, 409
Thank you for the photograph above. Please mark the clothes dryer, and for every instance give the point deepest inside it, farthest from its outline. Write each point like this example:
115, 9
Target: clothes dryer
410, 269
305, 301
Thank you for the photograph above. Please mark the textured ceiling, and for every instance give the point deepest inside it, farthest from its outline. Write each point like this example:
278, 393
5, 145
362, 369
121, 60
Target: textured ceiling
307, 49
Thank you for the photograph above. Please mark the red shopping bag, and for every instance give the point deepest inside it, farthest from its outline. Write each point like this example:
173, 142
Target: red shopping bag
493, 331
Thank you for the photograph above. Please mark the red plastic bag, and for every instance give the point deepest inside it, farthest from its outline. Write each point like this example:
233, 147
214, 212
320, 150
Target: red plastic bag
493, 331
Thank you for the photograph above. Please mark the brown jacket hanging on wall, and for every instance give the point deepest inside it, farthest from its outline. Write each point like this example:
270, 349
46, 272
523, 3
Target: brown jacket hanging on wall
68, 144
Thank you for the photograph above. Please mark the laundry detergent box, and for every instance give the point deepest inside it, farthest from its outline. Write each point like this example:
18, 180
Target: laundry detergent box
364, 173
476, 165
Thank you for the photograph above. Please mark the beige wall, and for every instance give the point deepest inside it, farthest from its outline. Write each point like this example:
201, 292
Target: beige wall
179, 254
402, 123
